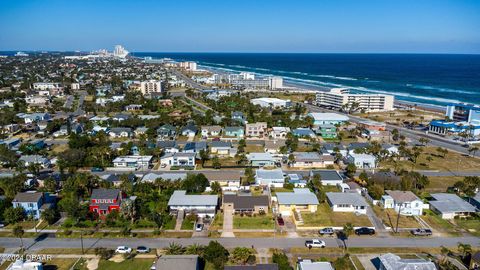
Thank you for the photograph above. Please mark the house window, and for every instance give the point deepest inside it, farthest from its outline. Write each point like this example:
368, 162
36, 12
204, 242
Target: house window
30, 205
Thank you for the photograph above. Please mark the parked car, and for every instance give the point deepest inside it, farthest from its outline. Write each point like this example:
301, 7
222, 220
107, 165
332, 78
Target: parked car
280, 221
365, 231
123, 250
163, 165
96, 169
326, 231
314, 243
198, 227
143, 249
421, 232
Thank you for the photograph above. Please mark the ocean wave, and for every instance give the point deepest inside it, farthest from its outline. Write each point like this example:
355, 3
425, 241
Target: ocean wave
335, 77
441, 89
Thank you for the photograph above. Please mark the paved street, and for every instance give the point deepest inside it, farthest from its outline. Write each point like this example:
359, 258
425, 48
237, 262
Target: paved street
234, 242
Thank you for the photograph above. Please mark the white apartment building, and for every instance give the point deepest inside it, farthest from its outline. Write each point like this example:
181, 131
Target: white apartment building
188, 65
336, 98
151, 86
266, 83
271, 102
46, 86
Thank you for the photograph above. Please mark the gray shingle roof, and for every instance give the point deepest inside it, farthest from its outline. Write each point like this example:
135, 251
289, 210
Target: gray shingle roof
103, 193
245, 202
447, 203
346, 198
402, 196
327, 175
299, 196
180, 198
177, 262
28, 197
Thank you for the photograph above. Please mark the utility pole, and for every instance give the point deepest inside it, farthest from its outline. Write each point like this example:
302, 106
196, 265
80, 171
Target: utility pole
81, 240
398, 216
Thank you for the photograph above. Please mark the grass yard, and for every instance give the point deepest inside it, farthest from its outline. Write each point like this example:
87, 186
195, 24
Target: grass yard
217, 223
254, 148
471, 225
279, 189
170, 224
59, 264
325, 217
137, 264
436, 222
389, 218
451, 162
29, 224
441, 183
260, 222
399, 116
187, 224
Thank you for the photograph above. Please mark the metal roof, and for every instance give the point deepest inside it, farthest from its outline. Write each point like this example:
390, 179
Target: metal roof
180, 198
346, 198
391, 261
447, 203
299, 196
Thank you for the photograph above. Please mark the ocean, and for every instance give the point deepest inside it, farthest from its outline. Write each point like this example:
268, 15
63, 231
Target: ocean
435, 79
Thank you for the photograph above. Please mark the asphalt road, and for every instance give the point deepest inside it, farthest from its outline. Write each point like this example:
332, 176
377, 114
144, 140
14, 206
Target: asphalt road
364, 241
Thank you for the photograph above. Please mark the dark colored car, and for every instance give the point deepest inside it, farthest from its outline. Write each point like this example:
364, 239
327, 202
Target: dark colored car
280, 221
365, 231
143, 249
96, 169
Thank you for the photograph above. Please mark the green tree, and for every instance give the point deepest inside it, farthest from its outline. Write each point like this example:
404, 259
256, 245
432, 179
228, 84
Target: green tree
281, 260
174, 249
351, 170
240, 255
216, 163
464, 249
13, 215
50, 215
216, 254
216, 188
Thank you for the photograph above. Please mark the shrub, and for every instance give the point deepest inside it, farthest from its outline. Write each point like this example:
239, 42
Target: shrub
261, 212
104, 253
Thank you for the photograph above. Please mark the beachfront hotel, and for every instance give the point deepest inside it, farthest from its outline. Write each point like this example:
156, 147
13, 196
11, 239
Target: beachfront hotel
461, 118
339, 98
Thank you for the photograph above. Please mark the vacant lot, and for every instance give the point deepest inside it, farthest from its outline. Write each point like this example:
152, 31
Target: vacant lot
137, 264
254, 148
389, 218
259, 222
441, 183
325, 217
437, 223
451, 162
399, 116
217, 223
471, 225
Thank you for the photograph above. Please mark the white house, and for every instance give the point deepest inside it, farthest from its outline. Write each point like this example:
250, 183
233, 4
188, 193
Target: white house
347, 202
179, 159
270, 177
208, 131
361, 161
449, 206
271, 102
405, 202
136, 162
328, 177
303, 264
28, 160
202, 205
279, 132
327, 118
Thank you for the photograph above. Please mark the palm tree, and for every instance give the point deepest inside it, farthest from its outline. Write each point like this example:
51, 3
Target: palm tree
19, 232
472, 150
444, 251
464, 249
175, 249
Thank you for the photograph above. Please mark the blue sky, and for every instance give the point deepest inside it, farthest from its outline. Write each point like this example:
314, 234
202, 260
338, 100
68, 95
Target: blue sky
403, 26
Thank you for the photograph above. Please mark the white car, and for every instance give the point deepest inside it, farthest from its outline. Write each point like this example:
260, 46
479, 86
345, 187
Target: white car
123, 250
314, 243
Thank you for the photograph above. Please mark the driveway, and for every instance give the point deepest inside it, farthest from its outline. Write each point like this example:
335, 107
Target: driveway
227, 224
368, 261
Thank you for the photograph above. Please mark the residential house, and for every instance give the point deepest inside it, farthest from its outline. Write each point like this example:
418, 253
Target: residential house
449, 206
103, 201
195, 147
178, 262
256, 130
133, 107
260, 159
221, 148
328, 118
34, 203
166, 131
303, 264
303, 133
475, 261
273, 178
311, 160
301, 199
168, 146
361, 161
405, 202
238, 117
190, 130
117, 179
279, 132
327, 131
136, 162
179, 159
201, 205
75, 128
12, 143
297, 180
229, 180
237, 132
245, 203
140, 131
333, 149
328, 177
30, 118
391, 261
29, 160
391, 149
121, 117
475, 200
120, 132
210, 131
347, 202
151, 177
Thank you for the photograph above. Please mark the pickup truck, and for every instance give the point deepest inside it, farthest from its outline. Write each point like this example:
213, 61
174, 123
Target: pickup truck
326, 231
314, 243
421, 232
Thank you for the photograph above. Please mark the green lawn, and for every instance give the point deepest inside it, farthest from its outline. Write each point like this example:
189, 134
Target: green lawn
59, 264
326, 217
137, 264
187, 224
471, 225
254, 148
389, 218
257, 222
436, 222
170, 224
441, 183
217, 223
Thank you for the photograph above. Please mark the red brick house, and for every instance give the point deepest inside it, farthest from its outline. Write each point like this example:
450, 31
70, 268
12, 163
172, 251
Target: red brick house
103, 201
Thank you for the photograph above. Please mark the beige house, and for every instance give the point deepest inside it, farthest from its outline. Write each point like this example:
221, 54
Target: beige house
301, 199
258, 130
208, 131
311, 160
245, 204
